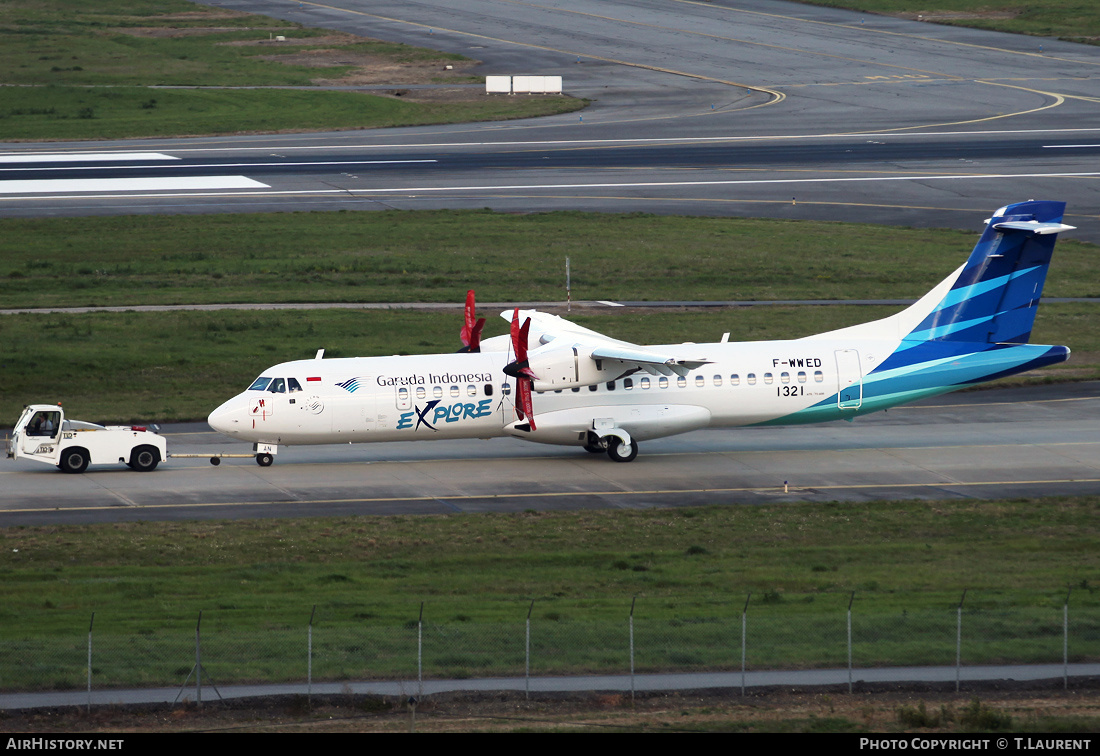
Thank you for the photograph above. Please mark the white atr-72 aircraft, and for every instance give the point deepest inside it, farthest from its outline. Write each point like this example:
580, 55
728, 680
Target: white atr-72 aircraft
554, 382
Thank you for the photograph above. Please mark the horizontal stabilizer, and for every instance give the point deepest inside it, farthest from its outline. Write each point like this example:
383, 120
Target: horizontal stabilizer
1034, 227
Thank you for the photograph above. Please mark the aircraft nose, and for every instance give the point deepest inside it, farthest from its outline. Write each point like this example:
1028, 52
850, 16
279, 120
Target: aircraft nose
226, 418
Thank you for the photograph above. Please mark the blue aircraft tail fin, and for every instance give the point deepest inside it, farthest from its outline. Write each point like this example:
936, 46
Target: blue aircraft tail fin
996, 293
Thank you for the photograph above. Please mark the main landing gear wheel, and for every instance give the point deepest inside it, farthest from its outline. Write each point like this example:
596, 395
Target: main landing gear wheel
264, 460
621, 452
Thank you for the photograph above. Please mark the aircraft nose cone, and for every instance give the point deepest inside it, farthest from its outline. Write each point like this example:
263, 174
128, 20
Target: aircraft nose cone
226, 418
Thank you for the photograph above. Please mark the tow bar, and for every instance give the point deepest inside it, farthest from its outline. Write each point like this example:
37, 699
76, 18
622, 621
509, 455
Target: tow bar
215, 459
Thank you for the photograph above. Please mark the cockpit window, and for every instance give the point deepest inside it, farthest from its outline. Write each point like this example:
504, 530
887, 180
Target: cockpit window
278, 386
44, 424
260, 384
292, 385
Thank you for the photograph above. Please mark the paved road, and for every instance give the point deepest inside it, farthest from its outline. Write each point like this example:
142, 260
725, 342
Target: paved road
579, 684
991, 444
763, 109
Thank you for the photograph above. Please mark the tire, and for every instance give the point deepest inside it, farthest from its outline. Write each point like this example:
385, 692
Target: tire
264, 460
144, 458
74, 461
620, 452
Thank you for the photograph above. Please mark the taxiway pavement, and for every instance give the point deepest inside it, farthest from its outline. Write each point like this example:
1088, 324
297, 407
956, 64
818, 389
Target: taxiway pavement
1035, 441
758, 108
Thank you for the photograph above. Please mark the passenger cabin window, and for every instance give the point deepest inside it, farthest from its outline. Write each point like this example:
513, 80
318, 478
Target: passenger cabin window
260, 384
818, 376
801, 376
292, 385
421, 392
644, 383
454, 391
751, 379
278, 386
437, 392
488, 389
717, 380
700, 381
682, 382
471, 390
768, 378
785, 377
611, 385
663, 382
628, 384
735, 379
506, 389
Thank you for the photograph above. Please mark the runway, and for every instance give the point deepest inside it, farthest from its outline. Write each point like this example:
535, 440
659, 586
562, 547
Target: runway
763, 109
1024, 442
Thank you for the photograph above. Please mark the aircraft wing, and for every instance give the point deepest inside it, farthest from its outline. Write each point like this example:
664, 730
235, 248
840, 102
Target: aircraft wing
571, 355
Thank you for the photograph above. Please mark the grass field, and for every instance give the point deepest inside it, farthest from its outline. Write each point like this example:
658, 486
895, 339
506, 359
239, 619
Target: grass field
688, 573
179, 365
163, 367
435, 256
96, 70
1072, 20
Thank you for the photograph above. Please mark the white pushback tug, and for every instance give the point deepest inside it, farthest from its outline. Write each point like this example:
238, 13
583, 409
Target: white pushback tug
44, 434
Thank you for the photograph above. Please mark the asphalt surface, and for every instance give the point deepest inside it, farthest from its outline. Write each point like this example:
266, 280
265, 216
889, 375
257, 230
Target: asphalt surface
1002, 674
747, 108
1037, 441
751, 108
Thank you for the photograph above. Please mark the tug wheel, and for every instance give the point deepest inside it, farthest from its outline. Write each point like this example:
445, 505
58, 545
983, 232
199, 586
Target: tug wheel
144, 458
74, 461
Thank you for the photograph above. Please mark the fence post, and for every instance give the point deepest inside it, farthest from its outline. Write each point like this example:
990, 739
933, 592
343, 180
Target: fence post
420, 653
90, 623
850, 600
632, 601
958, 641
527, 655
744, 614
198, 661
1065, 642
309, 659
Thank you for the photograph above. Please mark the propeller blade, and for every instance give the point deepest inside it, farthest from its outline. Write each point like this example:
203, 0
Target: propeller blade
523, 402
471, 328
520, 369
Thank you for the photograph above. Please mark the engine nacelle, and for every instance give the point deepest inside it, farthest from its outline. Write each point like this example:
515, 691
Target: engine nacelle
558, 367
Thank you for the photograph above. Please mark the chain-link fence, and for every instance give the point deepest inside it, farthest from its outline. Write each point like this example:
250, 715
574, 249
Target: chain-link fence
219, 648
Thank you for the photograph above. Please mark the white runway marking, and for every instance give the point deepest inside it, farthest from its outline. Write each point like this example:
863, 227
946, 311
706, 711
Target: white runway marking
80, 157
223, 166
729, 182
53, 186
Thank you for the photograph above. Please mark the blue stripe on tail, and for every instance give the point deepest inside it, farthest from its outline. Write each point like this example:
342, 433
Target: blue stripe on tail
996, 295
